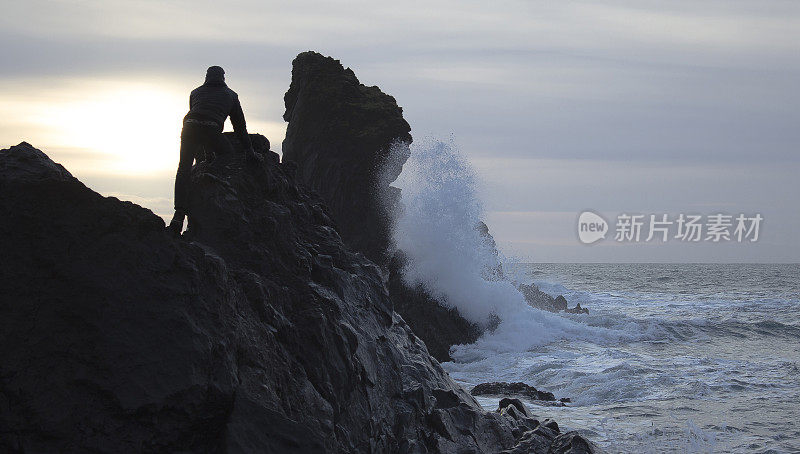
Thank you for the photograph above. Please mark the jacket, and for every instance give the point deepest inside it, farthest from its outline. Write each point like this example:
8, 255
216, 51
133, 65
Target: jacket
215, 101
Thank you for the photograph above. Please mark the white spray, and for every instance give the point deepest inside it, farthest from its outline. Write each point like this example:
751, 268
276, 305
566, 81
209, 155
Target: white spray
435, 226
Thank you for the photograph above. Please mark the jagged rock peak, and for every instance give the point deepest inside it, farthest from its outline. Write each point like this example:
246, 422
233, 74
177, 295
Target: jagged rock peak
344, 138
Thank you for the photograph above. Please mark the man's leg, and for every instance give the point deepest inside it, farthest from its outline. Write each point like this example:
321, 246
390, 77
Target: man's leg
217, 143
189, 146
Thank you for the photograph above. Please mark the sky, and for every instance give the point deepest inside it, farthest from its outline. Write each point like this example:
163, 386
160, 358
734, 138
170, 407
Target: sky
618, 107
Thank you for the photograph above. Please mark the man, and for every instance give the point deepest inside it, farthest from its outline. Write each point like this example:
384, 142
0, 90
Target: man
209, 105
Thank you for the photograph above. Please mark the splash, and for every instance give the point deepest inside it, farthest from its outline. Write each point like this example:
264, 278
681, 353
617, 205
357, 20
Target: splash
435, 227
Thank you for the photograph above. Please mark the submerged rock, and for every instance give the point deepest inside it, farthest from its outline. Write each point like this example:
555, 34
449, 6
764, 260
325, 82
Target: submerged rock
578, 310
541, 300
537, 298
560, 303
514, 389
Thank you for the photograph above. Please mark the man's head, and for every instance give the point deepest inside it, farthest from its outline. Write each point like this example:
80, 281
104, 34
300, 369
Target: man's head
215, 74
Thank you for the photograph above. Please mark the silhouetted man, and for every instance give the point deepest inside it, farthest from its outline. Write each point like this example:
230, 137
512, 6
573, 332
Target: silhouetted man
209, 105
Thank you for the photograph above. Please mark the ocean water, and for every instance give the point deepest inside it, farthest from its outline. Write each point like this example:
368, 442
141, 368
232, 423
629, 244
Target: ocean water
671, 358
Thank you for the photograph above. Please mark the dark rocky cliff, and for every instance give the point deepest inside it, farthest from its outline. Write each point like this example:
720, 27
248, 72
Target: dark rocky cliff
259, 331
340, 135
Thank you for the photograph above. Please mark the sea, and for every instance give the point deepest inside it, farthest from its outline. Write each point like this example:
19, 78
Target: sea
670, 358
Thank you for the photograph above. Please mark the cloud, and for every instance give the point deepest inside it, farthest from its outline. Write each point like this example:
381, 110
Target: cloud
608, 105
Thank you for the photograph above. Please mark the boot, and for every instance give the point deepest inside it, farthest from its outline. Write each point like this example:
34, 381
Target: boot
176, 224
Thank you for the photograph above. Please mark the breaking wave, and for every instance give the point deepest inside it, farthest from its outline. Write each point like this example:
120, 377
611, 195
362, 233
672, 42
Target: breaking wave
435, 227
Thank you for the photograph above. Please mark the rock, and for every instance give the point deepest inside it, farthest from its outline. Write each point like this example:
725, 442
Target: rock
572, 443
560, 303
547, 439
541, 300
348, 143
340, 136
439, 327
578, 310
505, 402
495, 273
518, 389
260, 145
518, 416
258, 331
536, 441
552, 425
537, 298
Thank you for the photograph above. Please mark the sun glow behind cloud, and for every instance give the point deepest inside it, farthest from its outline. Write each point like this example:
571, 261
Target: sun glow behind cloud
130, 127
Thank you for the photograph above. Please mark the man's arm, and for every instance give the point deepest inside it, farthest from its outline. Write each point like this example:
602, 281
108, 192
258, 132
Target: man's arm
239, 125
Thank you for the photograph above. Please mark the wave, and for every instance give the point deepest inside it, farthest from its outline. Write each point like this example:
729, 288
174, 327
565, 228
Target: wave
435, 227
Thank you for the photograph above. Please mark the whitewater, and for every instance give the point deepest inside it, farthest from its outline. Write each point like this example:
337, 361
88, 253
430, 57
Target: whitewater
671, 358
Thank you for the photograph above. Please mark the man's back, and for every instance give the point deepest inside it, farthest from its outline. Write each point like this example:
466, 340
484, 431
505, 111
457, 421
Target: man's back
213, 100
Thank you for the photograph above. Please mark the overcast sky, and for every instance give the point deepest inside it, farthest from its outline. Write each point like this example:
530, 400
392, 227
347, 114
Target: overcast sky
618, 106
